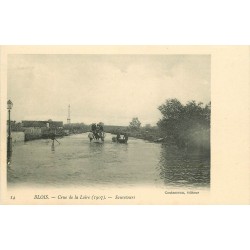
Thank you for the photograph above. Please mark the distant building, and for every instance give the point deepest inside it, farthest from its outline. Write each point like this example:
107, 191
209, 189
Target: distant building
15, 126
40, 129
42, 124
33, 130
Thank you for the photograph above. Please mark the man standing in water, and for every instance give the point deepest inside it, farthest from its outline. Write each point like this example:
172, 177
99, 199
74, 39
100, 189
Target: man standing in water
53, 138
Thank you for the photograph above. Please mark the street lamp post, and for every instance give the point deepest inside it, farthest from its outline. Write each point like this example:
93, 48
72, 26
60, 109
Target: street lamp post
9, 142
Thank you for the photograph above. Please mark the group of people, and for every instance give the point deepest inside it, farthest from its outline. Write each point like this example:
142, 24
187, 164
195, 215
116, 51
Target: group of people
97, 130
97, 127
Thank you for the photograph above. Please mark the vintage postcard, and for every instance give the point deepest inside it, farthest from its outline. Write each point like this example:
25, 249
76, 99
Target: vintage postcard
125, 125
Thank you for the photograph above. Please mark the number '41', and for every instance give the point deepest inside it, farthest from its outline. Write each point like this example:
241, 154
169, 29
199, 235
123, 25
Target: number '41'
12, 197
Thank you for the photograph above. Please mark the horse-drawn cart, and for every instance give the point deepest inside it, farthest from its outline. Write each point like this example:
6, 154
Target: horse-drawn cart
96, 136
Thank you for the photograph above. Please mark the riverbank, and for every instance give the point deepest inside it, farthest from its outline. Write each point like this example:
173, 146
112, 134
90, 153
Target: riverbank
151, 134
151, 137
198, 142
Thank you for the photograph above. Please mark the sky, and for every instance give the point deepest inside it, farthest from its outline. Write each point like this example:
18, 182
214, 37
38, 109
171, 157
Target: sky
108, 88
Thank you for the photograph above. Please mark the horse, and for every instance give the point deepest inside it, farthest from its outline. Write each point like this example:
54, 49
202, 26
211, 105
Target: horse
96, 136
100, 135
91, 136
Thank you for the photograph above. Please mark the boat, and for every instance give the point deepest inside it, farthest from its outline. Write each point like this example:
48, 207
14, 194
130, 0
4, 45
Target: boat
119, 139
122, 140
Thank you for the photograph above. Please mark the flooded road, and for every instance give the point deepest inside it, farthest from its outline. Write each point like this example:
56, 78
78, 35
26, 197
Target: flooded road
77, 162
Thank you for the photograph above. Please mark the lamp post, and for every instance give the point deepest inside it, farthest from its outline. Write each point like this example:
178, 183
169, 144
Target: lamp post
9, 142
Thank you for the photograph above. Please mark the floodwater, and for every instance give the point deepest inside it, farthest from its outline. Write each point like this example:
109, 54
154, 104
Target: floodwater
77, 162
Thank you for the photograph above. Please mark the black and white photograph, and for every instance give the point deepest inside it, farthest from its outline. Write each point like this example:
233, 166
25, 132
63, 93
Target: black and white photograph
108, 120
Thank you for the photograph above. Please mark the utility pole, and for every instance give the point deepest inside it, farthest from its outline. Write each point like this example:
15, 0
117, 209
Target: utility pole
68, 119
9, 139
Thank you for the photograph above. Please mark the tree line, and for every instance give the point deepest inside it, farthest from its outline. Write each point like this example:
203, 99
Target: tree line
187, 126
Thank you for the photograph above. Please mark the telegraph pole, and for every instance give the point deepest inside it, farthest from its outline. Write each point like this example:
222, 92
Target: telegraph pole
68, 119
9, 139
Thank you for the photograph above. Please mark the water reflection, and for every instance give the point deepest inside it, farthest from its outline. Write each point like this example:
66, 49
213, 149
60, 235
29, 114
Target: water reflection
76, 161
178, 168
96, 146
